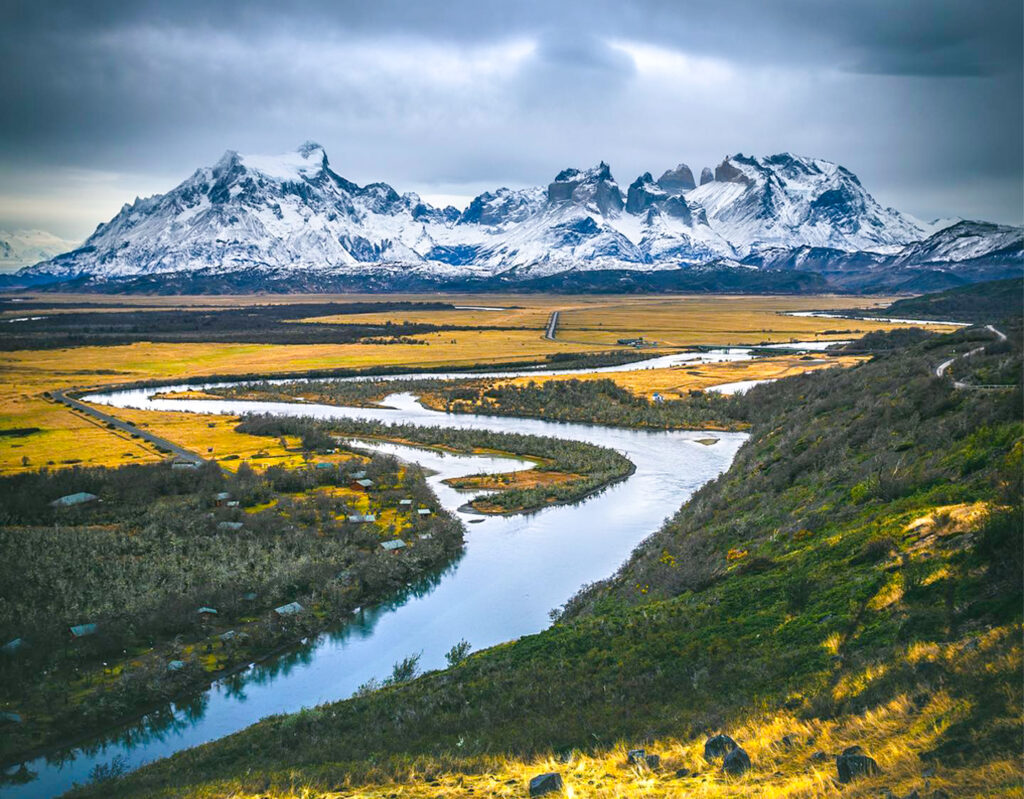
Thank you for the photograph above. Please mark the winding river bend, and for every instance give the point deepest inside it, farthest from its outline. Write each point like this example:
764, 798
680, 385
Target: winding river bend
513, 572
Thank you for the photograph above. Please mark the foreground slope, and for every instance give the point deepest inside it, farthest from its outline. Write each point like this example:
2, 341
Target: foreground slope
853, 579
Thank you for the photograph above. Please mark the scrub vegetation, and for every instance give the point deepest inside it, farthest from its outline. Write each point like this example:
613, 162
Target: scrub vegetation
175, 573
853, 579
566, 471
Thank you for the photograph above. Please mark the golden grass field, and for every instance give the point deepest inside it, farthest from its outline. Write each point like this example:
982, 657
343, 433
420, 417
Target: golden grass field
893, 733
587, 324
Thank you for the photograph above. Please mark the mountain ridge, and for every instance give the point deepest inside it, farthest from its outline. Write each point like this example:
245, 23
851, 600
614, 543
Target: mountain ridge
294, 212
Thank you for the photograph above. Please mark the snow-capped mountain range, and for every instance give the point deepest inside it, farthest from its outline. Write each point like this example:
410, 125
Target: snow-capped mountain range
292, 214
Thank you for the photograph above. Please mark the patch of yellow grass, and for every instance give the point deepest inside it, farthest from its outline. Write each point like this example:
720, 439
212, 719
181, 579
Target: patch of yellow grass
678, 381
894, 734
718, 319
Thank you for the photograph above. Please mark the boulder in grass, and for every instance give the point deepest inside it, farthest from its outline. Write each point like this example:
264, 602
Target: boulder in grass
635, 757
653, 762
736, 763
852, 764
544, 784
718, 746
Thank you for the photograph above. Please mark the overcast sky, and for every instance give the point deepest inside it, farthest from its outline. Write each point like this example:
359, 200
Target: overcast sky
103, 101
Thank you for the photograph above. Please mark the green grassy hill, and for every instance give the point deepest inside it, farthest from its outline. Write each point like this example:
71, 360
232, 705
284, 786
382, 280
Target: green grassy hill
994, 301
853, 579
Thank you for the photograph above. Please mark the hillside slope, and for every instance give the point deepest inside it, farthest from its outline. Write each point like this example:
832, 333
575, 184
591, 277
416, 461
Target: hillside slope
853, 579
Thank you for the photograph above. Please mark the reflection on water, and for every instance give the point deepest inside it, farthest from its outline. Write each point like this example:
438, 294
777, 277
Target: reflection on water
513, 571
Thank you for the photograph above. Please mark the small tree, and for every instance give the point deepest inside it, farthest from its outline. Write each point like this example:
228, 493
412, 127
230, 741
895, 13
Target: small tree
457, 653
404, 670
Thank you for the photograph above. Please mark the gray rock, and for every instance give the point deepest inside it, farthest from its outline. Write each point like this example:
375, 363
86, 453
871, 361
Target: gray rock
682, 772
677, 180
737, 762
635, 756
725, 172
818, 756
851, 765
546, 783
653, 762
718, 746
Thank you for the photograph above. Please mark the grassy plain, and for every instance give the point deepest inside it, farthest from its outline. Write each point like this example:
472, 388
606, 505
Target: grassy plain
588, 323
677, 381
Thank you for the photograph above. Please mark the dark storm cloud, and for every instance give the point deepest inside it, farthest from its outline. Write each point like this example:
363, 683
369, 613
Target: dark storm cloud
102, 100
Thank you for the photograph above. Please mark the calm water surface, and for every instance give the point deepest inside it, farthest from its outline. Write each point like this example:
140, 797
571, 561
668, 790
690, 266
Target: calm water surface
513, 572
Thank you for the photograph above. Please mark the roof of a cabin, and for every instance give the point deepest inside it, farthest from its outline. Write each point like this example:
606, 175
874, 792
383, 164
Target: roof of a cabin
73, 499
393, 545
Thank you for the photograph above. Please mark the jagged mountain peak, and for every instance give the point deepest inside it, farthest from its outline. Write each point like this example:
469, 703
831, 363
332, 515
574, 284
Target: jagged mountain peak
678, 180
292, 212
594, 187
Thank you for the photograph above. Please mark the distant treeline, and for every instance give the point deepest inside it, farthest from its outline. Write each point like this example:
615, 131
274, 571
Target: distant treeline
568, 400
992, 302
256, 324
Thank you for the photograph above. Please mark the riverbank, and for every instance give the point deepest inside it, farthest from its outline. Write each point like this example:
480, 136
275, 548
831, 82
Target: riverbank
828, 591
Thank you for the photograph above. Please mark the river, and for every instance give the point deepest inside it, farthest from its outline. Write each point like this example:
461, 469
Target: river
513, 572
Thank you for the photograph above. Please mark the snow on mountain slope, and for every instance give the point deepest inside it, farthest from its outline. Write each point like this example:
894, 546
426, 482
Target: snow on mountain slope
786, 201
293, 212
20, 248
966, 241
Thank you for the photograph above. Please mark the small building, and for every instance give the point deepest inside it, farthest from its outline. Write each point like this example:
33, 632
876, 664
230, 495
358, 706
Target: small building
184, 463
13, 646
637, 341
10, 718
358, 475
249, 596
73, 499
325, 466
363, 484
657, 397
424, 511
176, 665
405, 502
207, 611
221, 498
391, 546
230, 526
231, 503
230, 635
82, 630
426, 536
289, 610
362, 518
